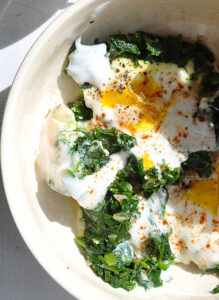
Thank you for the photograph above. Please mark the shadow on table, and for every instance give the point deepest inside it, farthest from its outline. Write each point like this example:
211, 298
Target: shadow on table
27, 15
3, 100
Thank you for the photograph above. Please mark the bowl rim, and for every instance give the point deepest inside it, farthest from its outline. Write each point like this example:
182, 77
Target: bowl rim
45, 262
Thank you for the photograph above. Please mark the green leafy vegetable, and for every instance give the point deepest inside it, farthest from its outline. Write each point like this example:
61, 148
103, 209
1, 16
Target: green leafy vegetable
88, 156
156, 180
133, 172
80, 110
72, 48
168, 49
119, 46
112, 140
199, 162
212, 112
105, 242
216, 290
85, 85
91, 151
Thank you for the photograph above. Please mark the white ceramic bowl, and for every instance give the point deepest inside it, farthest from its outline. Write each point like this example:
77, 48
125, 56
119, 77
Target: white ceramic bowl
44, 218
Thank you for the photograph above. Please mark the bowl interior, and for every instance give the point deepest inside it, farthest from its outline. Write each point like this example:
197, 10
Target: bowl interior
47, 220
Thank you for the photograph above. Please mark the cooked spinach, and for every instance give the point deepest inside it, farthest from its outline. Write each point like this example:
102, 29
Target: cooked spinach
215, 290
199, 162
80, 110
119, 46
155, 180
85, 85
214, 269
112, 140
209, 107
106, 237
105, 242
91, 151
133, 172
72, 48
88, 156
169, 49
214, 115
107, 225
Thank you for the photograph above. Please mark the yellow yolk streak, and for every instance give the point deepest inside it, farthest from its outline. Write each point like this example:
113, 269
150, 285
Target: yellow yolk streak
145, 94
205, 193
147, 162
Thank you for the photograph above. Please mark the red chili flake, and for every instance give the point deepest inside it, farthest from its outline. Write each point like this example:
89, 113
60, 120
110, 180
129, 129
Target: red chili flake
97, 118
215, 222
143, 238
186, 128
158, 127
165, 222
103, 115
202, 218
185, 135
145, 137
103, 84
180, 134
201, 118
159, 93
181, 86
176, 140
208, 246
180, 113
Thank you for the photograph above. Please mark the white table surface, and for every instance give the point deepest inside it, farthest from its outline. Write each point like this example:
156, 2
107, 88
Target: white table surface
21, 277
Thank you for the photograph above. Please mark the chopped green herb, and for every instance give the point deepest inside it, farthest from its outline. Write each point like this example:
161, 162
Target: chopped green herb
155, 180
212, 113
215, 290
72, 48
80, 110
106, 242
199, 162
169, 49
112, 140
91, 151
85, 85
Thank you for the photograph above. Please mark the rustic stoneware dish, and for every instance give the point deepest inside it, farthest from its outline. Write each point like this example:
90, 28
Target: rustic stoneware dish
46, 220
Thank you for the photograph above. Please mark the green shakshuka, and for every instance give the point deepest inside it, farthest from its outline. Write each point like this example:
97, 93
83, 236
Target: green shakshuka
139, 152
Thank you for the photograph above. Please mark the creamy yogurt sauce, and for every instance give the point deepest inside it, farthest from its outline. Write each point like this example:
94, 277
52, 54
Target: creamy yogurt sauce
194, 235
54, 160
91, 190
89, 64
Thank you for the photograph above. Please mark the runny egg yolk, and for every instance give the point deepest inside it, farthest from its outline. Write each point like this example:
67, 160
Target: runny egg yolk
205, 193
147, 162
145, 94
